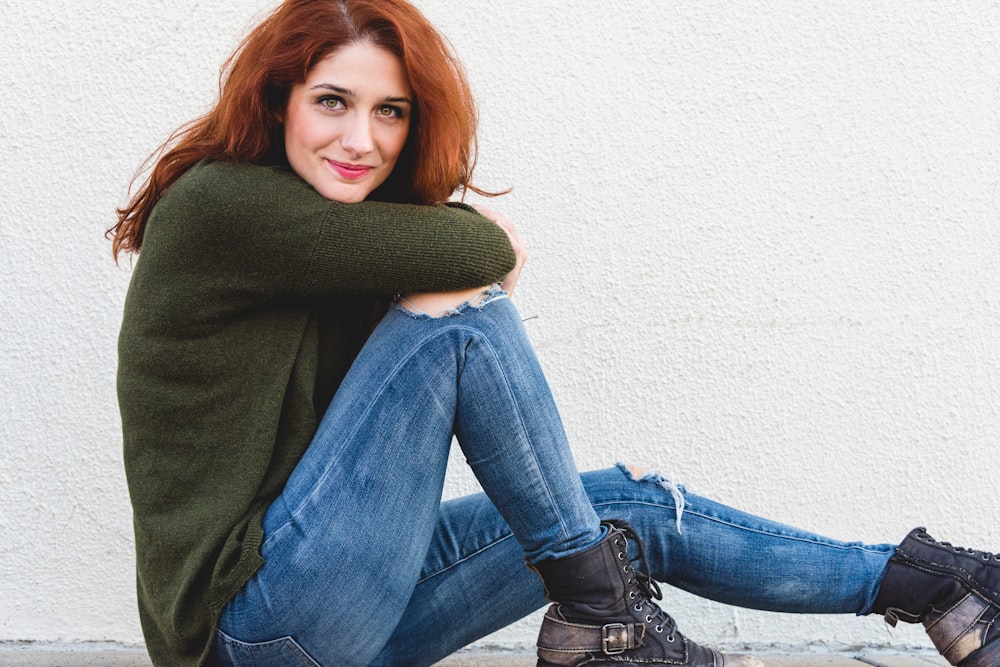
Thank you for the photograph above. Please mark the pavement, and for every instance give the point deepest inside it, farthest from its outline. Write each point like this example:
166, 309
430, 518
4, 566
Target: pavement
769, 660
33, 655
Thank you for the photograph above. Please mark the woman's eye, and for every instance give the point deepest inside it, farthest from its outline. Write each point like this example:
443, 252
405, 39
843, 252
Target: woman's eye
331, 102
389, 111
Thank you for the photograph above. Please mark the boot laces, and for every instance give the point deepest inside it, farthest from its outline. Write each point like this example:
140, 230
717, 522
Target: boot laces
983, 555
648, 589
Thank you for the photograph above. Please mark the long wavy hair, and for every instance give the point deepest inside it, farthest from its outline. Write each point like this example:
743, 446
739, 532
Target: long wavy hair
440, 153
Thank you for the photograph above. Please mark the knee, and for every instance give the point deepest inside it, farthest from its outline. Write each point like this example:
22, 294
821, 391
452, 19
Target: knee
439, 304
637, 472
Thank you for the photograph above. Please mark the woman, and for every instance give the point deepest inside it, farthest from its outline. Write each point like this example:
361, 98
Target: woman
285, 460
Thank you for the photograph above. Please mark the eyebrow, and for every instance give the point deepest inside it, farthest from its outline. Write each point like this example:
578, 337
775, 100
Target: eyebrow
350, 93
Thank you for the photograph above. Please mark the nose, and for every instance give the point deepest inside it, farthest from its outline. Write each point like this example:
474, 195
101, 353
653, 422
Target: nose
357, 136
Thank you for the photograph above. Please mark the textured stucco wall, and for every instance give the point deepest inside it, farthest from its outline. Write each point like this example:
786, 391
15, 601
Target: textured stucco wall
764, 259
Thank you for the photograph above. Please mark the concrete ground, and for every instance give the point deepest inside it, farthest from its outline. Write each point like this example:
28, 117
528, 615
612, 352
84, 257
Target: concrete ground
769, 660
30, 655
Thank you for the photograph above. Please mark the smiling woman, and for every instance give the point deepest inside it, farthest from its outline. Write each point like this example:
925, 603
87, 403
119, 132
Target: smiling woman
347, 123
246, 124
288, 411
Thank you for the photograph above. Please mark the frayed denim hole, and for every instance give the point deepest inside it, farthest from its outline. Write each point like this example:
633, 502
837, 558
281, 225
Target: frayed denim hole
478, 302
409, 313
675, 489
494, 293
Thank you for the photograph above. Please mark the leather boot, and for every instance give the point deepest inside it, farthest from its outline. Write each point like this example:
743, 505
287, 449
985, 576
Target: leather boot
954, 592
605, 614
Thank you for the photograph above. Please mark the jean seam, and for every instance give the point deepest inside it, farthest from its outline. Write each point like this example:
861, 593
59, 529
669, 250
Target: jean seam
293, 513
759, 531
286, 644
466, 557
484, 339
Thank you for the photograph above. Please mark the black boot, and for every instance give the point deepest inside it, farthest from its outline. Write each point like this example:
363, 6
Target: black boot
604, 613
954, 592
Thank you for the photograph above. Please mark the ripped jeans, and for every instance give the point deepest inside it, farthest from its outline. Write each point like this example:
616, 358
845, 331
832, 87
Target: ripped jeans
365, 565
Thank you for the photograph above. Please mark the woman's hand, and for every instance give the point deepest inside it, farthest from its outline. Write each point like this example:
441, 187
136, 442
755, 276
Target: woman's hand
520, 250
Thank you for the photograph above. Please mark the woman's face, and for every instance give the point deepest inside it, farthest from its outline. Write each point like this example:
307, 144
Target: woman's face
346, 125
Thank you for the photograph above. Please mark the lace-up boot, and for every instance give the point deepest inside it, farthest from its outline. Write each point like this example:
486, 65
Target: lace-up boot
605, 612
954, 592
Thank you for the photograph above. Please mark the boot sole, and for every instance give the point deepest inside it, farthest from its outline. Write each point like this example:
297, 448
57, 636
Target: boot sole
987, 656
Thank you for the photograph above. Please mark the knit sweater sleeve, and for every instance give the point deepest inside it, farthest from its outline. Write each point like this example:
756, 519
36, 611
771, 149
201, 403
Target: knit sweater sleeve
271, 232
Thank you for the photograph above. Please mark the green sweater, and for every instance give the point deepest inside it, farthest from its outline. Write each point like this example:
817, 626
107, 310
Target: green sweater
245, 309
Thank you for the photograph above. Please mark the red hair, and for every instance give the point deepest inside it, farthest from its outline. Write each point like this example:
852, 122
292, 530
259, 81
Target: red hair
245, 126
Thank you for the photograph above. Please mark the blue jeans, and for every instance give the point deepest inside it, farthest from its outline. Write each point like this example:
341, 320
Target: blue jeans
365, 565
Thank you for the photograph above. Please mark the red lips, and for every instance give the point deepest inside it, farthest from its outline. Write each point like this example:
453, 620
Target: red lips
350, 171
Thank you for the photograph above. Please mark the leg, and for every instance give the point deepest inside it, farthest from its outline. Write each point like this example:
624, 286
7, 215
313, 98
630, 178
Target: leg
721, 553
345, 541
725, 555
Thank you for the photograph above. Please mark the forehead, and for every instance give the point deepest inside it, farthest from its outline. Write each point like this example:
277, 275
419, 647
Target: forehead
362, 68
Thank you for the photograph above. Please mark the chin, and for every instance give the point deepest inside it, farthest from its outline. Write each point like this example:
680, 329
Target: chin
342, 195
346, 199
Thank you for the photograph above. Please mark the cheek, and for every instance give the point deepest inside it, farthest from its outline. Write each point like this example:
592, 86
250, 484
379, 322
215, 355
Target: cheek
303, 130
296, 132
393, 145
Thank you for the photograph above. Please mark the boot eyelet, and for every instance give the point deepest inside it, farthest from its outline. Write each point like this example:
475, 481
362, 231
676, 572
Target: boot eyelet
631, 595
659, 628
621, 556
625, 569
649, 619
638, 607
670, 638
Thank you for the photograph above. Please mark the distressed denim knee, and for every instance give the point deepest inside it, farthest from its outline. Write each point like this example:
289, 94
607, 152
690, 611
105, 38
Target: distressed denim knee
479, 301
639, 474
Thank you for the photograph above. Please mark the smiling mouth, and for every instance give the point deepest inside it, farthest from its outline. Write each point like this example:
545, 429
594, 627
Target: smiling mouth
350, 171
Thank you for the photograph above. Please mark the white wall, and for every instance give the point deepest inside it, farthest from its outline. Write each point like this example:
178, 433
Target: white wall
764, 259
